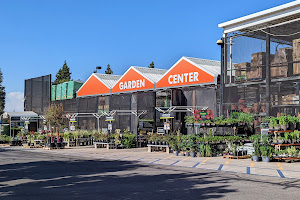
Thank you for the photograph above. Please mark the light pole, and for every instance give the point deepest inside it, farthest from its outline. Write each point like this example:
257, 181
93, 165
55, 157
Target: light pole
221, 43
97, 68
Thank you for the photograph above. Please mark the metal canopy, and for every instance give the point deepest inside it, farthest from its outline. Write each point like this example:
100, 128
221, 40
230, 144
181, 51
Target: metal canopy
263, 19
23, 114
281, 33
168, 110
137, 113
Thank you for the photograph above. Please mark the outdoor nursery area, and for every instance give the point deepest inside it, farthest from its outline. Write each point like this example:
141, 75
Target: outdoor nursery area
232, 137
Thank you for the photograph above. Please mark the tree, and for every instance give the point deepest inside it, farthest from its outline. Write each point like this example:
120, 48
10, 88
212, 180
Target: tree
55, 116
2, 94
108, 70
151, 65
63, 74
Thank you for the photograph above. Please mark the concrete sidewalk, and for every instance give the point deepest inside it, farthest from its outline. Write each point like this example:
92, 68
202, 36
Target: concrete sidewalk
245, 166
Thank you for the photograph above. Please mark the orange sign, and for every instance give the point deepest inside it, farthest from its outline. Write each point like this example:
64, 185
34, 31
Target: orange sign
93, 86
132, 80
184, 73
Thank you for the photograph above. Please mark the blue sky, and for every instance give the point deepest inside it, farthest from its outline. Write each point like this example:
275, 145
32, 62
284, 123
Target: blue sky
37, 36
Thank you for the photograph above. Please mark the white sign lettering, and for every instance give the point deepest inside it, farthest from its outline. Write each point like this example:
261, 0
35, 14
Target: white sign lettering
132, 84
183, 78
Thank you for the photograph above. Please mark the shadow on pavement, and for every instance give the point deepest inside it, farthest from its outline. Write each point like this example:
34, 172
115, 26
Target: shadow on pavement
100, 179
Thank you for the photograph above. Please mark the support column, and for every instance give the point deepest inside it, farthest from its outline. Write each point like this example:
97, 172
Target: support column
268, 77
222, 78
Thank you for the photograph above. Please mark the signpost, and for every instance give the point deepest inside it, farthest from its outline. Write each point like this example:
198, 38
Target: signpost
109, 119
72, 128
203, 114
166, 126
166, 116
109, 127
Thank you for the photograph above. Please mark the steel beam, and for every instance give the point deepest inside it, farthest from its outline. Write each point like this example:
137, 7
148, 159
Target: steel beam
268, 73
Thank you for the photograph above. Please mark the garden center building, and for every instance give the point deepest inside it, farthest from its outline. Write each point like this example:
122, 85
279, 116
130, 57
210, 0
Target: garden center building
144, 99
139, 98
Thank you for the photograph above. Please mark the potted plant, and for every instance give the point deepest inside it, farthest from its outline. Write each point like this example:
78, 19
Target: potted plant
283, 122
256, 145
292, 122
266, 153
208, 151
202, 150
266, 122
173, 142
192, 145
207, 123
297, 123
280, 139
295, 136
287, 137
292, 151
245, 118
275, 141
273, 123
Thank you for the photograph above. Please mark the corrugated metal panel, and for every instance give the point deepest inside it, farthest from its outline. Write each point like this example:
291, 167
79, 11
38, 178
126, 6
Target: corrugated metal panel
23, 114
152, 74
58, 92
108, 79
53, 92
73, 86
212, 66
64, 87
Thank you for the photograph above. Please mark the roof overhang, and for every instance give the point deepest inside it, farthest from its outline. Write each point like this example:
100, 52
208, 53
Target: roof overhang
23, 114
270, 17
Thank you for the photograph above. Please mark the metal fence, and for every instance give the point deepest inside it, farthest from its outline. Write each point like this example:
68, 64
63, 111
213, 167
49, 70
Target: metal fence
37, 94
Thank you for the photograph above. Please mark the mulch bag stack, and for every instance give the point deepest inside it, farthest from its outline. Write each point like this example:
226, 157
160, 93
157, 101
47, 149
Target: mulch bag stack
296, 56
257, 70
240, 71
282, 58
258, 66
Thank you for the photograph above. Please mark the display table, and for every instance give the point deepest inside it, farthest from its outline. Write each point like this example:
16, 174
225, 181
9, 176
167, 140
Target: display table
104, 145
278, 146
287, 158
69, 143
153, 147
276, 133
37, 142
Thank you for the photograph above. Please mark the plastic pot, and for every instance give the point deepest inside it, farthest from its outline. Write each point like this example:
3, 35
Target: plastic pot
283, 127
255, 158
265, 159
193, 154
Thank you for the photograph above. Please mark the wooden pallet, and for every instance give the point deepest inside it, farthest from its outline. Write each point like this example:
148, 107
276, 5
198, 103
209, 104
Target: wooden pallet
33, 147
237, 157
288, 158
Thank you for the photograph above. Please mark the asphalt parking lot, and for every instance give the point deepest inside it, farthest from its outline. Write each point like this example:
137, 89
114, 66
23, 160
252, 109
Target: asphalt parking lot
88, 173
140, 155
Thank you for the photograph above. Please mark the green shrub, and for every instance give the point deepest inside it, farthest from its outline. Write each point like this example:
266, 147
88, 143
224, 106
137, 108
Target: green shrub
128, 140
